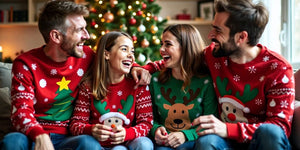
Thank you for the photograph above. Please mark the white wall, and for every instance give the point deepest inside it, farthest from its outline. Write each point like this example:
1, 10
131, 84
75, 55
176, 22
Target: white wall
13, 39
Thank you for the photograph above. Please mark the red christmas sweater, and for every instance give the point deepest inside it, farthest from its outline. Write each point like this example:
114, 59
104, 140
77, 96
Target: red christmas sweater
43, 91
260, 91
133, 106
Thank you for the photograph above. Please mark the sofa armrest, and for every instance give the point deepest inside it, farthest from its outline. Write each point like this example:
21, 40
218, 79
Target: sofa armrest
295, 134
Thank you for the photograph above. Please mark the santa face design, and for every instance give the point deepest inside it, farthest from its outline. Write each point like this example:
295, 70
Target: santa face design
232, 114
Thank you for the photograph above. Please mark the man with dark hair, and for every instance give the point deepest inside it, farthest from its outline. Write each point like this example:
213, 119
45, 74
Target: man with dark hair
45, 80
255, 85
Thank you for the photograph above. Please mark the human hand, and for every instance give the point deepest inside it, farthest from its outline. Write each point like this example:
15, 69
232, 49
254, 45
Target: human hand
210, 125
175, 139
161, 136
118, 136
43, 142
141, 76
101, 132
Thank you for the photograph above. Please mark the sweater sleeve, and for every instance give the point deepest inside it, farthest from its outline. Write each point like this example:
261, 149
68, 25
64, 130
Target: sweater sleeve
81, 114
155, 66
22, 95
143, 115
280, 102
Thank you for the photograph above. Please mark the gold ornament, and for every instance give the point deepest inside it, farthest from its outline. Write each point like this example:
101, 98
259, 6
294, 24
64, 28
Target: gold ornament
154, 29
156, 41
109, 17
121, 12
145, 43
123, 27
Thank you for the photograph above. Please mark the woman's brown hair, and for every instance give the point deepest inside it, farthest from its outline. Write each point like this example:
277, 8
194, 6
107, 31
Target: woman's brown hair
192, 61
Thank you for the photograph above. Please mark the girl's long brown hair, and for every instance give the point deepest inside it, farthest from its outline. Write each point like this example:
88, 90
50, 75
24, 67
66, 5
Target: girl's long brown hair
98, 74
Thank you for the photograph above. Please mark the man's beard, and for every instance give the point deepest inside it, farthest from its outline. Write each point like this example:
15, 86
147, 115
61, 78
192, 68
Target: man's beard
70, 49
225, 49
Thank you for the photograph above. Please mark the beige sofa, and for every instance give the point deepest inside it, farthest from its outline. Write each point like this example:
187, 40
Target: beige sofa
5, 84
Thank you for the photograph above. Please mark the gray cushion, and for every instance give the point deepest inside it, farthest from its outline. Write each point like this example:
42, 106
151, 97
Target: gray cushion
5, 74
5, 105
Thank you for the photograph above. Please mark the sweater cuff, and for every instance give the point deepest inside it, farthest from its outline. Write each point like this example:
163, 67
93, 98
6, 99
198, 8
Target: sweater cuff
130, 135
88, 129
190, 135
232, 131
33, 133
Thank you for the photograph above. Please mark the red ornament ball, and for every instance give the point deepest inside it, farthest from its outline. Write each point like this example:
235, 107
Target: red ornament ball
144, 6
132, 21
139, 13
134, 38
93, 23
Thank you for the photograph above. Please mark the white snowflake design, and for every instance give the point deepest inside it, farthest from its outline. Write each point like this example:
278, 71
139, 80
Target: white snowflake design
25, 67
292, 80
20, 75
120, 93
262, 78
33, 66
158, 96
252, 69
258, 101
274, 66
84, 55
53, 72
217, 65
206, 81
226, 62
70, 67
20, 115
284, 104
266, 58
274, 82
236, 78
24, 106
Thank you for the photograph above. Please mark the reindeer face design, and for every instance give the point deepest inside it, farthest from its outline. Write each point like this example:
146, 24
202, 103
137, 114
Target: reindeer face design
178, 114
178, 117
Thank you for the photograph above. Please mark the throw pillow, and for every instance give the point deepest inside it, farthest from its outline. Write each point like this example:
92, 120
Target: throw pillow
5, 124
5, 74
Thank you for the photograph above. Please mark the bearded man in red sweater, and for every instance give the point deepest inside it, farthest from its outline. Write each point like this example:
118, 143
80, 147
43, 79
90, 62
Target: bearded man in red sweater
254, 85
45, 82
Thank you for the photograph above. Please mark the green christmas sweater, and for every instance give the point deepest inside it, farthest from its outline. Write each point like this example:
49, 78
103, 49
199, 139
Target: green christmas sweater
176, 109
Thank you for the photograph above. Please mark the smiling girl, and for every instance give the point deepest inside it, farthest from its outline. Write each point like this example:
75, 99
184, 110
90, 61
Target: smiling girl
109, 108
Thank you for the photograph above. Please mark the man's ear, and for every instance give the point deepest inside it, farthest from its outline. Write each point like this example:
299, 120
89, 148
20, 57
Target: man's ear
241, 37
56, 36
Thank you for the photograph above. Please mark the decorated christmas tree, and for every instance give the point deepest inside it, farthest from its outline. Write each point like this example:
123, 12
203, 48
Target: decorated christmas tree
139, 18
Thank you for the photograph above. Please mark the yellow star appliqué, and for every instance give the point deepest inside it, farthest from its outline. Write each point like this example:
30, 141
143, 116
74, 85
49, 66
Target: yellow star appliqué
63, 84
